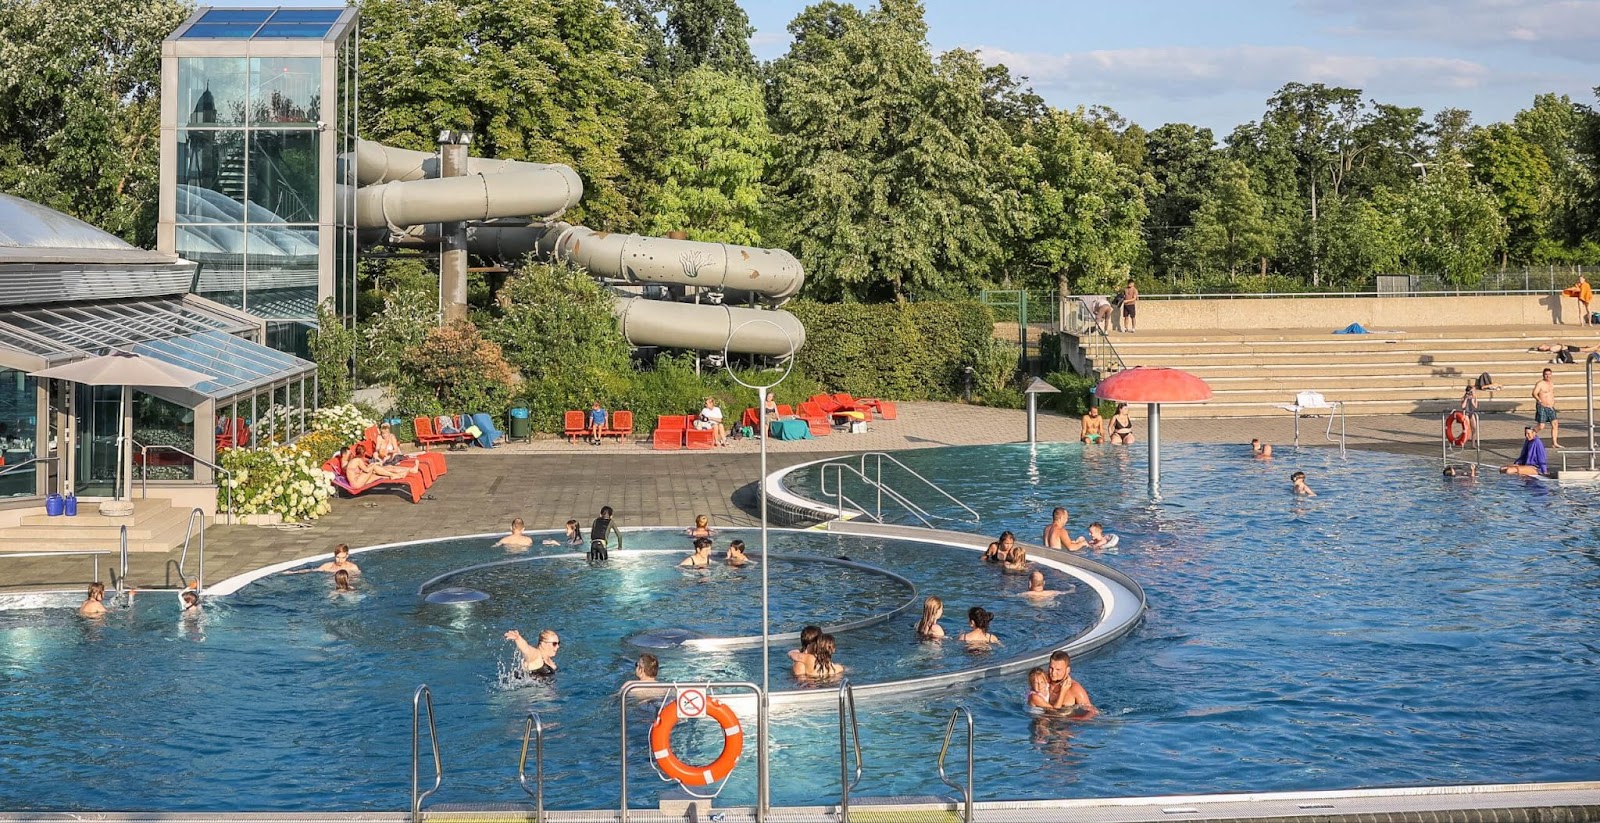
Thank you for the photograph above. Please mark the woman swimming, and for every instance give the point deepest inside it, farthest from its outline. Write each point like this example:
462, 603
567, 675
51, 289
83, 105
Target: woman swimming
341, 581
573, 537
701, 559
537, 661
979, 619
1000, 549
701, 527
928, 627
822, 666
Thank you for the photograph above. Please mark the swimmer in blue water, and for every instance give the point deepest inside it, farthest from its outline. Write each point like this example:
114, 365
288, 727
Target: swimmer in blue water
1036, 590
573, 538
701, 559
1000, 549
516, 540
540, 660
701, 528
1097, 536
736, 555
1298, 484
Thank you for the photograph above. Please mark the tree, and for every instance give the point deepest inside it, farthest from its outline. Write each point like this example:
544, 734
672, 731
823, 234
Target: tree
1517, 171
454, 370
555, 326
1230, 226
680, 36
547, 82
1182, 161
708, 178
887, 166
1450, 225
1359, 241
79, 114
1083, 210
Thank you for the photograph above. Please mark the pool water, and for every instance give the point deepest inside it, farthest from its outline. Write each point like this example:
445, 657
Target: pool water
1398, 629
285, 696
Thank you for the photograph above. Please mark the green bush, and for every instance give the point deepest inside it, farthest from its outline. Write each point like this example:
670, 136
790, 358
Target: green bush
904, 351
1077, 394
671, 387
332, 346
453, 371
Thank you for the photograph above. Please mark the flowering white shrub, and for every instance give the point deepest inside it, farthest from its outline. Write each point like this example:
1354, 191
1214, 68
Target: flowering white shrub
345, 421
284, 480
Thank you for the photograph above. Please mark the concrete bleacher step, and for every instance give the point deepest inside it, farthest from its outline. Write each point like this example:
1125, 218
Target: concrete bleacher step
155, 526
1254, 372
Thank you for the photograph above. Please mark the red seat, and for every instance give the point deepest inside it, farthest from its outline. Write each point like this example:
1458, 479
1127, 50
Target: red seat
785, 410
235, 434
845, 400
751, 418
426, 435
669, 433
886, 410
824, 402
819, 421
699, 439
621, 426
412, 482
575, 425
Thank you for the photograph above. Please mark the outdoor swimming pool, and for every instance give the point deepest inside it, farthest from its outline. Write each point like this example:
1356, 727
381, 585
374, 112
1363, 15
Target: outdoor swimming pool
1397, 629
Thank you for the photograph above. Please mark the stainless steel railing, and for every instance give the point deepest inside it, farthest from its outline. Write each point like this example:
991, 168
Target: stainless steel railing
875, 482
144, 471
196, 514
96, 553
763, 791
423, 697
534, 730
122, 573
949, 730
847, 784
879, 457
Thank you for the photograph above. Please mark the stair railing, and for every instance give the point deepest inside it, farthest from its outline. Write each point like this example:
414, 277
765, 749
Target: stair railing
196, 515
949, 731
840, 498
423, 697
852, 732
144, 471
879, 457
534, 729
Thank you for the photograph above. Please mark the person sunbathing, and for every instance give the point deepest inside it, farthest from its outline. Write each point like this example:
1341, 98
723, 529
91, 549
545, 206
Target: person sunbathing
362, 472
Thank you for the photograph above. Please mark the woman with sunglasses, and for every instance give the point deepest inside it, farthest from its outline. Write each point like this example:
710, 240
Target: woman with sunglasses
537, 661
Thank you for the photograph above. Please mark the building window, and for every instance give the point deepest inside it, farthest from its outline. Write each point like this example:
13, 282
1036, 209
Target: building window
158, 423
211, 91
19, 399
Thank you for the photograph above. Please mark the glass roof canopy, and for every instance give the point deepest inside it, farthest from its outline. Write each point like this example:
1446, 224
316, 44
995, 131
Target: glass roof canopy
263, 24
169, 329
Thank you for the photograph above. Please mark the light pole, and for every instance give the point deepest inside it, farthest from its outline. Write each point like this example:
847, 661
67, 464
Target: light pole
763, 784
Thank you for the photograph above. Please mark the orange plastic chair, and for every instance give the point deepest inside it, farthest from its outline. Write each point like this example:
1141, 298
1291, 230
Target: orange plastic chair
698, 439
785, 410
426, 436
669, 432
575, 426
621, 426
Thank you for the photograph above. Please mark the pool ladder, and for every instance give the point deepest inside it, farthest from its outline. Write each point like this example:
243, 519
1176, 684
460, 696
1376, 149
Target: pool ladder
533, 732
850, 741
872, 475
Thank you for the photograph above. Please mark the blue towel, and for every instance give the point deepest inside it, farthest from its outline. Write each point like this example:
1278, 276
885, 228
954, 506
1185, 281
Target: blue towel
1353, 328
485, 424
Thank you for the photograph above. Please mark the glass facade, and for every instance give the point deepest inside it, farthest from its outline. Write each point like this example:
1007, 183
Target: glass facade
19, 401
158, 422
248, 175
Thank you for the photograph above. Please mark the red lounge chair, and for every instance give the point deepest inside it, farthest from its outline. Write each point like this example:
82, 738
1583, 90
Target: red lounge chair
784, 410
235, 434
751, 418
412, 482
426, 436
886, 410
699, 439
621, 426
825, 402
432, 465
819, 421
575, 425
669, 432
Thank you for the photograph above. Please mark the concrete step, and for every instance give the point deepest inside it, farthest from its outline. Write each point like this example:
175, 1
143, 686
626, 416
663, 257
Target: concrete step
155, 526
62, 543
1508, 360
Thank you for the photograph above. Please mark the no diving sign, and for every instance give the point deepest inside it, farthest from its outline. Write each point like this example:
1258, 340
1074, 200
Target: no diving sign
691, 703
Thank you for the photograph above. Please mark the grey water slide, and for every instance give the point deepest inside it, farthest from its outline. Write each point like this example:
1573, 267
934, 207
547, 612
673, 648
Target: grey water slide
399, 190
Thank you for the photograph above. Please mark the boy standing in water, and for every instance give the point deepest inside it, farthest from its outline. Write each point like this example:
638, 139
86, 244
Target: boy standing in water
600, 534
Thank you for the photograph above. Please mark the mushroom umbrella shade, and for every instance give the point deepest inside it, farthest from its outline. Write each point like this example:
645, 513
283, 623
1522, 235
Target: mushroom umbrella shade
1154, 386
124, 369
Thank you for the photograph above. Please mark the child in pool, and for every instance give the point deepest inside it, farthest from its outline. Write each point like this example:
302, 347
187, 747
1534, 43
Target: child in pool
1038, 690
1097, 535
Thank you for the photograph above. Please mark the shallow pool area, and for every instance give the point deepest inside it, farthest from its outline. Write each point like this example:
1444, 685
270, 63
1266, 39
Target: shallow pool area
1397, 629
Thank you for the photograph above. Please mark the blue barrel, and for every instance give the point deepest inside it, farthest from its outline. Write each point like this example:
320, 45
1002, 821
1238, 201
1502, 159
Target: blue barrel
54, 505
70, 505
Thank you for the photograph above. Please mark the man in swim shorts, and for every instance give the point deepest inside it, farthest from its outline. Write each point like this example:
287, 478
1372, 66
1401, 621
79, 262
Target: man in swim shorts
1094, 426
1532, 459
1544, 411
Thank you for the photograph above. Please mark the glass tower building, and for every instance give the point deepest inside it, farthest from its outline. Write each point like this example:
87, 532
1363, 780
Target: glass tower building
257, 104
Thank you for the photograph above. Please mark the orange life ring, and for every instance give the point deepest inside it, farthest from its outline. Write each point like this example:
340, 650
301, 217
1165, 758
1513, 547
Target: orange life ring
1457, 418
674, 769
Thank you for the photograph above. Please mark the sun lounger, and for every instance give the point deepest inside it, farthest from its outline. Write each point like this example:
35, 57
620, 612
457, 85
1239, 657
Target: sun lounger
412, 482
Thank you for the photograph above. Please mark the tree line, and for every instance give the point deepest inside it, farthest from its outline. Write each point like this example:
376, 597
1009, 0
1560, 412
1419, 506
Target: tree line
892, 172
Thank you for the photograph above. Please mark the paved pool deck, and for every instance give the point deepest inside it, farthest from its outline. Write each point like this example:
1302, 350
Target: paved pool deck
548, 481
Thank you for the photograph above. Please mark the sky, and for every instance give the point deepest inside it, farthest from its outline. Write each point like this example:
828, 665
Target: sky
1214, 63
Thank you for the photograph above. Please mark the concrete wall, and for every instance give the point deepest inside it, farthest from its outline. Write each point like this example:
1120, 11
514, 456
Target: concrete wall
1375, 313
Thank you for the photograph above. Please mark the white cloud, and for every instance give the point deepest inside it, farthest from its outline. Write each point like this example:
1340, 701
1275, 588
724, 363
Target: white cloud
1567, 28
1182, 73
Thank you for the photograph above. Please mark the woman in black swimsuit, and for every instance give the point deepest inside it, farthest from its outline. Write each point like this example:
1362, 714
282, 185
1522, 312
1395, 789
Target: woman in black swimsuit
1122, 427
537, 661
1000, 549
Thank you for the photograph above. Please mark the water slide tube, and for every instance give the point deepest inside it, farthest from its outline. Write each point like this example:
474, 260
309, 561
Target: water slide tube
397, 192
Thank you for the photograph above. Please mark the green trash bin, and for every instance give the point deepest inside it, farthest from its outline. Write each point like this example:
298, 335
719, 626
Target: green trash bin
521, 426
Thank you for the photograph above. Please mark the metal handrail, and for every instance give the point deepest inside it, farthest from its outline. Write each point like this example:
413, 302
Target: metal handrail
1100, 347
879, 457
847, 708
195, 514
30, 461
122, 538
949, 730
534, 729
423, 695
840, 498
95, 552
144, 471
1588, 402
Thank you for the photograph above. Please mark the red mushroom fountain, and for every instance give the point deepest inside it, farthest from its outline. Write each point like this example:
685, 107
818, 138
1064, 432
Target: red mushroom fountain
1153, 386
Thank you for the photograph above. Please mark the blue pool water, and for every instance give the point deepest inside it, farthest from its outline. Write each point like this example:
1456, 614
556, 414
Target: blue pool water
1398, 629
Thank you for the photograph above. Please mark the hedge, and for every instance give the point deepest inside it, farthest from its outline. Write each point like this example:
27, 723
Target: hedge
907, 351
